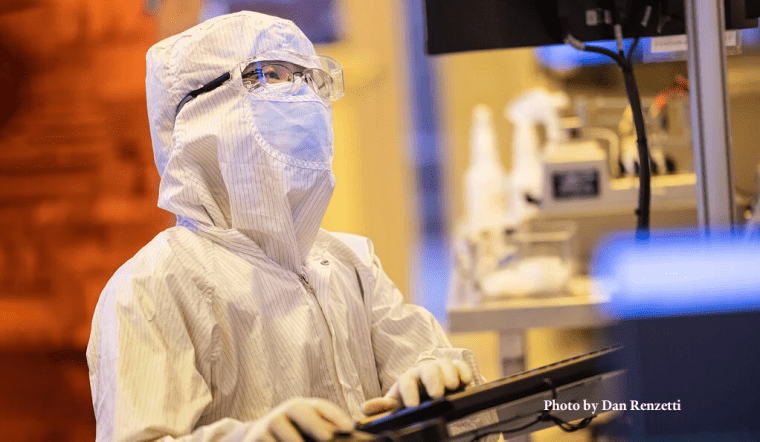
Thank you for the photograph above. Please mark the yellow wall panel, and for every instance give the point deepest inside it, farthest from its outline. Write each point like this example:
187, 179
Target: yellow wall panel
374, 194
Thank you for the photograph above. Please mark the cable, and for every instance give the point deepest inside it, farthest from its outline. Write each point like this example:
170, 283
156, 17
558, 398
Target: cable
511, 430
545, 416
632, 90
565, 426
645, 13
645, 191
632, 49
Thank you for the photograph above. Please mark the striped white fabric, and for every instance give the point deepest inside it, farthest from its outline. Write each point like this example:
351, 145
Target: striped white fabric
246, 302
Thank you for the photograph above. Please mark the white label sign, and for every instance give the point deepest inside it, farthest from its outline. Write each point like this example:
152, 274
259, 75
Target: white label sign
676, 43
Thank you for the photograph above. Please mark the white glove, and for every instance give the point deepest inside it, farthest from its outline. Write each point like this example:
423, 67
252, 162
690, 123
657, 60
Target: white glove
317, 418
435, 375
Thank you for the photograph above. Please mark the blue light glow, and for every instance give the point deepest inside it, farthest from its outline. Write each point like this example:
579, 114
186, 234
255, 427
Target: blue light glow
751, 37
566, 57
678, 273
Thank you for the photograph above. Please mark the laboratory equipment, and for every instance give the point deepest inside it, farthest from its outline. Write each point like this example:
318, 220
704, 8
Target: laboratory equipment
594, 172
456, 26
561, 186
536, 260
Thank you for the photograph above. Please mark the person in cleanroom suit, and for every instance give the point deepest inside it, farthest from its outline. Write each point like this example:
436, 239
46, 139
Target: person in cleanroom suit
246, 321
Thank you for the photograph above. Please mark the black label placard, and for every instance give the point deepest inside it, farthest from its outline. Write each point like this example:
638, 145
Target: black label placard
570, 184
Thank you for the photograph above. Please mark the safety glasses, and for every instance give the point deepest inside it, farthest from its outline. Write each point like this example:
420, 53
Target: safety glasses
283, 68
284, 72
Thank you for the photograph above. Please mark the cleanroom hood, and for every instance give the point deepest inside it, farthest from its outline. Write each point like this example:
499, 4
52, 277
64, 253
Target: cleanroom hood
249, 169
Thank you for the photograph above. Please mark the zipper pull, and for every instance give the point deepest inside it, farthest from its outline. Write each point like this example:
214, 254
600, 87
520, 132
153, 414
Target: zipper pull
307, 285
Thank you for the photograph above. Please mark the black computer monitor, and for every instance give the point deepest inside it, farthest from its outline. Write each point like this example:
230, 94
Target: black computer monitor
470, 25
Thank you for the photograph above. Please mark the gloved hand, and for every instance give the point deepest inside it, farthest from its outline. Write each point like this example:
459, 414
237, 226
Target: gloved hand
316, 418
435, 376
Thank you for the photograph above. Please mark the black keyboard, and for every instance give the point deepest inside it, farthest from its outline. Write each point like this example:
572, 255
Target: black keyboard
461, 404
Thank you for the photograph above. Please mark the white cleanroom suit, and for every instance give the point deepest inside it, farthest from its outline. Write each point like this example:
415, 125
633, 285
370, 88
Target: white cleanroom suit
245, 303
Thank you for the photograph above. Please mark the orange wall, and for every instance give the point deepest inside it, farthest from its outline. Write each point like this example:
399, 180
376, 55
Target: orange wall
77, 196
78, 186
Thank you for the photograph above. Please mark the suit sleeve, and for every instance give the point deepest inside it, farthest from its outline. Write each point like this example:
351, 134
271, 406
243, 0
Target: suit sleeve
405, 334
145, 370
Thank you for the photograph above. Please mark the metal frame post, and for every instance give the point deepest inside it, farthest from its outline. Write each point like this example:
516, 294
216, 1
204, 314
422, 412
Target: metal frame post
710, 114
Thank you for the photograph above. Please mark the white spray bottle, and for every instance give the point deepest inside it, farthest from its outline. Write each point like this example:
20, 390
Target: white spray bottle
537, 106
484, 177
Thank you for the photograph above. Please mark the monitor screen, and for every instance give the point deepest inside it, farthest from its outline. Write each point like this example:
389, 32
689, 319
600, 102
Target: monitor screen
462, 25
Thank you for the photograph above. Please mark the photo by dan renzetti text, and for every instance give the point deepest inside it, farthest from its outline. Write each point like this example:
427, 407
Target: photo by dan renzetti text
553, 405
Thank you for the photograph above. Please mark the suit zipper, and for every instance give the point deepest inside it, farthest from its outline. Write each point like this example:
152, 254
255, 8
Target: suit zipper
307, 285
310, 289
